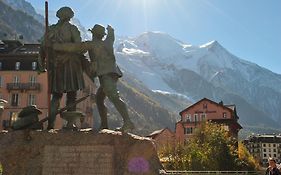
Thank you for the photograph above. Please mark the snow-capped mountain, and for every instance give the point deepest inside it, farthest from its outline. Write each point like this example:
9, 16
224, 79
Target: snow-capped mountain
165, 64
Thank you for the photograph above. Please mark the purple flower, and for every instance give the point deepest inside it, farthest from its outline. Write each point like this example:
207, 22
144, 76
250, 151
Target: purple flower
138, 165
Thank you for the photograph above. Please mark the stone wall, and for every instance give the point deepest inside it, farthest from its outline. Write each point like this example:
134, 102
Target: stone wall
76, 153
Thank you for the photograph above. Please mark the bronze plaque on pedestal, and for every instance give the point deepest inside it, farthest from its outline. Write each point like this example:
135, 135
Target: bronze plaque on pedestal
78, 160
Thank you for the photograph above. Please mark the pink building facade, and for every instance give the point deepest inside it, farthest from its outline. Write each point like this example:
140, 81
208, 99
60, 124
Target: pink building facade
207, 110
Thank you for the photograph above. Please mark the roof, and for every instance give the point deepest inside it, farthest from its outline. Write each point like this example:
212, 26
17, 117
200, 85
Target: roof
157, 132
231, 108
227, 121
265, 138
10, 47
13, 51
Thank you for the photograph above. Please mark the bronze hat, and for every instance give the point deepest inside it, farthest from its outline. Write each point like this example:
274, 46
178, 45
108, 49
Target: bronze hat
98, 29
29, 110
65, 12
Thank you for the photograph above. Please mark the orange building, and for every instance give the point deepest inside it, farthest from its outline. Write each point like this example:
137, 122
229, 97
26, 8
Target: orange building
21, 85
207, 110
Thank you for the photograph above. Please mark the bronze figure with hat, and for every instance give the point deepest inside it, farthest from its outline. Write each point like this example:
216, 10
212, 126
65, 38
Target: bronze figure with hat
65, 68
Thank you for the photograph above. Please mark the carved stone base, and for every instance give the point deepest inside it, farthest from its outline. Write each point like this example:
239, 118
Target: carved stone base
76, 153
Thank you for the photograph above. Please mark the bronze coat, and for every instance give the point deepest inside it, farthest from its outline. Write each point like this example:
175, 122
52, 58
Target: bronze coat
65, 68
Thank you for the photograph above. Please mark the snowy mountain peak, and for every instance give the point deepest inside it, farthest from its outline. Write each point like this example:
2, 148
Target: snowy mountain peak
212, 45
159, 44
154, 35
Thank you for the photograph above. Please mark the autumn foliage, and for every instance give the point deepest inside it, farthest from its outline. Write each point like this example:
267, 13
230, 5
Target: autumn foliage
210, 149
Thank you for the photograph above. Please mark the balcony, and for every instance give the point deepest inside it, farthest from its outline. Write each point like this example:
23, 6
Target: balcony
23, 86
32, 86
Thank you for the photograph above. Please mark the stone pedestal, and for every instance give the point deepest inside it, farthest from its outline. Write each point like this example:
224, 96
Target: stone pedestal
76, 153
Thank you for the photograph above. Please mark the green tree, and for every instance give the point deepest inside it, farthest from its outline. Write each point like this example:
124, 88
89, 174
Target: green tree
246, 160
210, 148
1, 169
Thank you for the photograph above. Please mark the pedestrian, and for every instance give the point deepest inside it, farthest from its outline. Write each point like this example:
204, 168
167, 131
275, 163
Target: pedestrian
272, 167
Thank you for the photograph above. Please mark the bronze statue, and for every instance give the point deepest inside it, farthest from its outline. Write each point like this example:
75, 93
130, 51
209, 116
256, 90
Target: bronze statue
102, 54
65, 68
27, 116
103, 65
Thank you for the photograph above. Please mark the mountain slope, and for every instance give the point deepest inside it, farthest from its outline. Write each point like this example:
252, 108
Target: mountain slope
14, 23
26, 7
166, 64
147, 114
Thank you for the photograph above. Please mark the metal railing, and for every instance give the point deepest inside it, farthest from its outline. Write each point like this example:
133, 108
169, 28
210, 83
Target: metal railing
23, 86
167, 172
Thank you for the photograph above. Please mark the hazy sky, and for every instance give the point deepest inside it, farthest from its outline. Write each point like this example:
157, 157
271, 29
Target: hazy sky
250, 29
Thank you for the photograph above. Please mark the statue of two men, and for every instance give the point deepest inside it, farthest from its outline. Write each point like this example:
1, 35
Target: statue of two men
66, 71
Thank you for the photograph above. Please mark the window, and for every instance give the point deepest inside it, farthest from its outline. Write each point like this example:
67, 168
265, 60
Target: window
31, 99
1, 65
264, 150
195, 117
17, 66
187, 118
16, 79
203, 117
264, 155
34, 65
264, 145
190, 118
269, 155
224, 115
13, 117
188, 130
274, 155
274, 150
274, 145
183, 117
15, 100
205, 106
269, 145
32, 79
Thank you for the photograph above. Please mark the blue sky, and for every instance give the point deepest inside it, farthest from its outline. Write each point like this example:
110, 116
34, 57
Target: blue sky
250, 29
